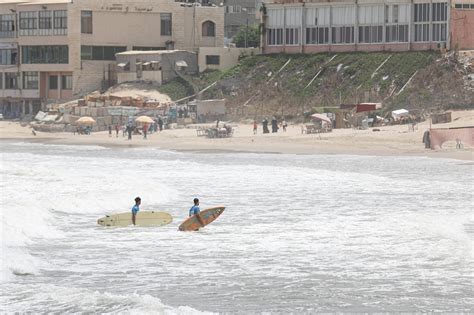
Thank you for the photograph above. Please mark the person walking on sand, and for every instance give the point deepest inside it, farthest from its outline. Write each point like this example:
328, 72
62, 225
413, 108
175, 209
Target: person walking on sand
145, 131
129, 131
284, 124
110, 131
265, 125
160, 123
117, 128
274, 125
196, 210
255, 127
135, 209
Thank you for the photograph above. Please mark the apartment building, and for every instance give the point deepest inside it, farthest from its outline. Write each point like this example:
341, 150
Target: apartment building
239, 13
56, 50
310, 26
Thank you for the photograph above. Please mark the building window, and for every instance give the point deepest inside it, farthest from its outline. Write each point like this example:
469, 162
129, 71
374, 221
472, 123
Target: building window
396, 33
165, 24
60, 19
209, 29
100, 52
86, 22
317, 35
343, 35
422, 22
233, 9
439, 18
28, 23
213, 60
397, 18
8, 56
371, 19
30, 80
45, 20
11, 80
343, 18
53, 82
370, 34
292, 36
66, 82
45, 54
317, 21
275, 36
7, 25
1, 80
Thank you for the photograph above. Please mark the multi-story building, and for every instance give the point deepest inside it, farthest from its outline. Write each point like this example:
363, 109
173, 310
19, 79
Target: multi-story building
310, 26
56, 50
239, 13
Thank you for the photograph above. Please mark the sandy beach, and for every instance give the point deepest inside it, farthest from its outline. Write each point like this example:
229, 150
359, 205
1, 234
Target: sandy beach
390, 140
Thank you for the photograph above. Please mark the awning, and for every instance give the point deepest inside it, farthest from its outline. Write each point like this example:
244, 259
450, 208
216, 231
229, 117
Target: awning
147, 63
181, 63
154, 62
122, 65
367, 107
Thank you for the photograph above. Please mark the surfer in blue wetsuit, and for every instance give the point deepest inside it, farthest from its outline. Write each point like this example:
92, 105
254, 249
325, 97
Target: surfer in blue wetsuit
136, 208
196, 210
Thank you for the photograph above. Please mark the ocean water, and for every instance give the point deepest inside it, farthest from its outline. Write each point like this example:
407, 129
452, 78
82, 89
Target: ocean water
301, 234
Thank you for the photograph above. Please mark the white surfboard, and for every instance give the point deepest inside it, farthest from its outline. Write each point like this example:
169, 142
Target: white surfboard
143, 218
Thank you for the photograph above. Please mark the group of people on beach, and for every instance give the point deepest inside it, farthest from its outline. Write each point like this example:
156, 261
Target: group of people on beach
130, 129
274, 123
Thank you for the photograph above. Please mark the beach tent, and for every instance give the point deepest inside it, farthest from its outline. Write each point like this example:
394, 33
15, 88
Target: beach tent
397, 114
322, 118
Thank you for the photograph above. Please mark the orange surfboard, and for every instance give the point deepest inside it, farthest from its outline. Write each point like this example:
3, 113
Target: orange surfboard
207, 216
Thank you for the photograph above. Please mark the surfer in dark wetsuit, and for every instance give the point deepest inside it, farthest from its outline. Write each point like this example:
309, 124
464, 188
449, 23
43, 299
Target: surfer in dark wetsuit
195, 210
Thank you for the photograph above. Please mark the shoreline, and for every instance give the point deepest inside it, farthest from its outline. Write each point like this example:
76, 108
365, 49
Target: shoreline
390, 141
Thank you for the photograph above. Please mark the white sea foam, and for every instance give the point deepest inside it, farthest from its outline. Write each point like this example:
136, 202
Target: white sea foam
300, 233
71, 300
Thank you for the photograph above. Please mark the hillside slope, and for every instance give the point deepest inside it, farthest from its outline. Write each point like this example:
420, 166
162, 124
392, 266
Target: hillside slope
292, 84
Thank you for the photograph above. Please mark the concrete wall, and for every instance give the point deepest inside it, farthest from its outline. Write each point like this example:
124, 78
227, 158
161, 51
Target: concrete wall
229, 57
462, 29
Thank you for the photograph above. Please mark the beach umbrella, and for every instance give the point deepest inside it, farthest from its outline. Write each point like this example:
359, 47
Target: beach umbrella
321, 117
144, 120
86, 120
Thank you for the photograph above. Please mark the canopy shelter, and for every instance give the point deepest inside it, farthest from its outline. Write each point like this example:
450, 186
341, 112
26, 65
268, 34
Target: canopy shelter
86, 120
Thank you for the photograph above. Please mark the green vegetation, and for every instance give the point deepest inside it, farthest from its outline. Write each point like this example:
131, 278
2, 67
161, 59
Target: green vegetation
176, 89
328, 79
247, 36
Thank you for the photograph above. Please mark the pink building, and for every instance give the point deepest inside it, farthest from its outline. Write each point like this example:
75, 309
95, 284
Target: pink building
312, 26
462, 25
